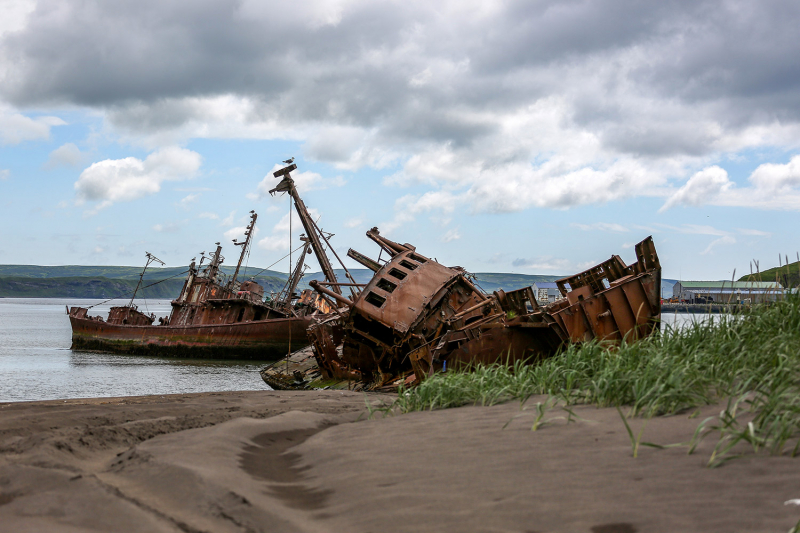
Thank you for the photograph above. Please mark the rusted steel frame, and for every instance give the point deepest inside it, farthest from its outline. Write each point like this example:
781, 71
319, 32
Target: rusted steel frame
287, 185
285, 296
611, 270
327, 292
391, 247
342, 284
245, 245
364, 260
515, 300
475, 290
469, 310
647, 256
480, 322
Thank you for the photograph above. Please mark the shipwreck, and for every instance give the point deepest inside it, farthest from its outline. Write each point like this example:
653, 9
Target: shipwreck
219, 317
416, 317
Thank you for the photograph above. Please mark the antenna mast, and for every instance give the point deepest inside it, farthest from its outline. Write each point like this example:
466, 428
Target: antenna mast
287, 185
150, 259
285, 296
245, 245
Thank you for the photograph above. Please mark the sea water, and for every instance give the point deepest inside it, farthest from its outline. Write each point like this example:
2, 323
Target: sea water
36, 362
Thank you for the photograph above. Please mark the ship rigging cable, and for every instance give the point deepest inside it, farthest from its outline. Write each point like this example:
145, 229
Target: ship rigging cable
143, 288
276, 262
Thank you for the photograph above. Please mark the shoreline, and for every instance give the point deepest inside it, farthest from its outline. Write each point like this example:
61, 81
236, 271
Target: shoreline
313, 461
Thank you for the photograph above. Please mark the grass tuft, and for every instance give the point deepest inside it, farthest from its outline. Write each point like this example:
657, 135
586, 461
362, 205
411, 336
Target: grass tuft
752, 359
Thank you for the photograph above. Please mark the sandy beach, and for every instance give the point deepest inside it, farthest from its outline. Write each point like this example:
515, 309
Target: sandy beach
314, 461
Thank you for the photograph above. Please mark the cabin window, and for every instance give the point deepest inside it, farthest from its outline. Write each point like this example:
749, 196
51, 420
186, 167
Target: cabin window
241, 315
374, 299
386, 285
407, 264
399, 274
415, 257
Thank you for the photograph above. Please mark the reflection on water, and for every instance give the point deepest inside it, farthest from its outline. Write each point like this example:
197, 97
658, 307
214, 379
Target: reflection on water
678, 321
36, 362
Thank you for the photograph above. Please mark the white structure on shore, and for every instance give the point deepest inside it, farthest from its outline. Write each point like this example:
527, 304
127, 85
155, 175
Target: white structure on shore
727, 291
546, 292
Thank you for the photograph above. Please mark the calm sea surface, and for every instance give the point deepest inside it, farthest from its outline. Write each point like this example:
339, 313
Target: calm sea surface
36, 362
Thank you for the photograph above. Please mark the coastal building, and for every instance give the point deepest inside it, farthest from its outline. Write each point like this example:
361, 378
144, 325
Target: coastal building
546, 292
727, 291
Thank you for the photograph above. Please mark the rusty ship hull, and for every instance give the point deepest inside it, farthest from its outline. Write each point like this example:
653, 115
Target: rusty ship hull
216, 316
259, 340
417, 317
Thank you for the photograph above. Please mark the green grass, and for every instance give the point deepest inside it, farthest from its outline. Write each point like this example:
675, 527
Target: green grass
753, 360
787, 275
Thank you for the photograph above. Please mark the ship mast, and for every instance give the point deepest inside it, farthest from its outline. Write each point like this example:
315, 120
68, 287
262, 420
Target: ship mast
285, 297
213, 267
150, 259
245, 245
287, 185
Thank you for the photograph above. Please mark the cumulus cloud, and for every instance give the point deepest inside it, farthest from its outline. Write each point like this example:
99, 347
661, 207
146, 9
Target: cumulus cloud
66, 155
4, 174
777, 178
15, 13
702, 188
771, 186
120, 180
500, 105
16, 127
238, 233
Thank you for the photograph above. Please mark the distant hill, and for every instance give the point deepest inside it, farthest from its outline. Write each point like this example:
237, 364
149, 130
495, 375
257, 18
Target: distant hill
490, 281
115, 272
74, 281
82, 287
787, 275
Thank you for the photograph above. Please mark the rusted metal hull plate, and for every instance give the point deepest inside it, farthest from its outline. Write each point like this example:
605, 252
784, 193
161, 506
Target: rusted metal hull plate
262, 340
418, 316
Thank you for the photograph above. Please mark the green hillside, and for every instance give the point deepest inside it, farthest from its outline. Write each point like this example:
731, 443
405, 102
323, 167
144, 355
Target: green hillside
101, 287
114, 272
82, 287
72, 281
787, 275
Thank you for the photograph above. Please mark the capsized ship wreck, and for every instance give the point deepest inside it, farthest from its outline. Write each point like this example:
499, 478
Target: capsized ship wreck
416, 317
217, 317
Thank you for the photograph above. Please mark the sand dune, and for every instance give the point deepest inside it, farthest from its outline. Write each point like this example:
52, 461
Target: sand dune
308, 462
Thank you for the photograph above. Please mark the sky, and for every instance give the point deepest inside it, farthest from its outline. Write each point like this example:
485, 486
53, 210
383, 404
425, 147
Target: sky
536, 137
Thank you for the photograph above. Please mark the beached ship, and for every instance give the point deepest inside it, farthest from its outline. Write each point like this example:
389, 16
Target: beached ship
416, 317
217, 317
